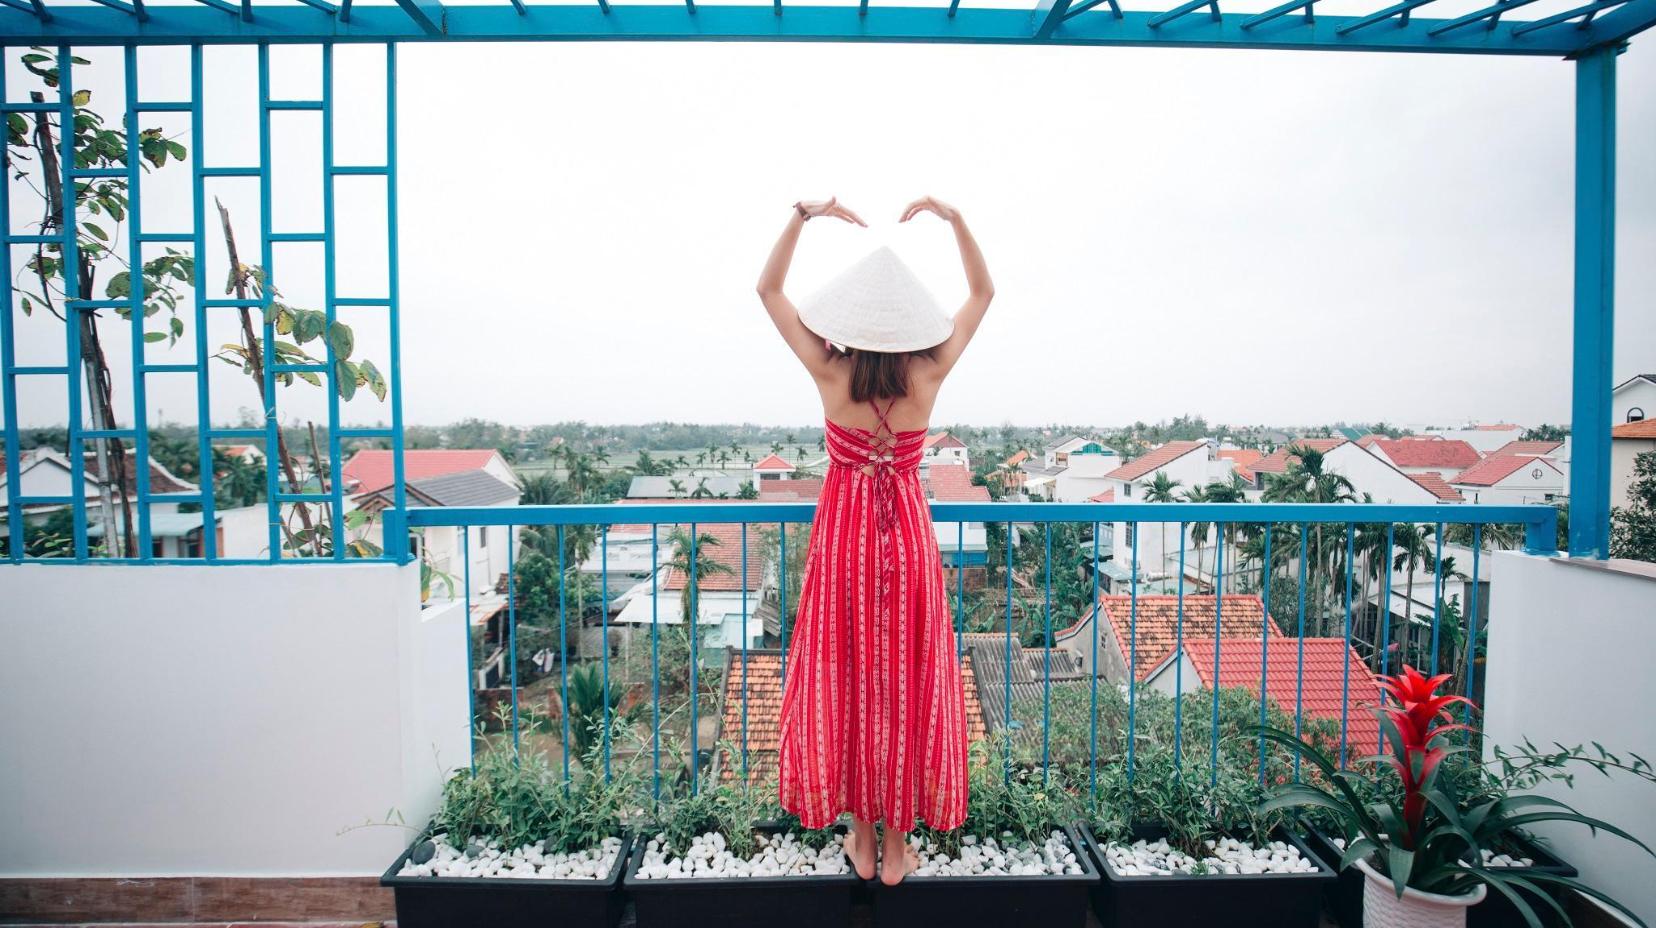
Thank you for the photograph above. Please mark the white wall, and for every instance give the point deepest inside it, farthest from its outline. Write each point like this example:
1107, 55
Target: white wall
1624, 453
1569, 661
211, 720
1640, 394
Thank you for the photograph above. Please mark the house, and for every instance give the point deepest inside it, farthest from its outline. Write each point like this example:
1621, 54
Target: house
1141, 631
44, 472
727, 598
485, 546
1366, 469
1185, 462
1019, 687
751, 723
1085, 474
695, 484
1242, 461
1634, 399
1483, 438
771, 467
247, 454
1056, 455
1337, 684
1627, 442
961, 545
942, 447
373, 468
1445, 457
1510, 479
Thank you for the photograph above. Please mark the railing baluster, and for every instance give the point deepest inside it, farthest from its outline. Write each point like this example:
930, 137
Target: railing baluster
1386, 619
744, 657
563, 651
1437, 596
1218, 636
691, 622
1132, 656
655, 661
1265, 646
960, 590
1299, 673
1092, 677
1006, 683
782, 599
1178, 662
471, 676
1472, 616
511, 631
603, 619
1046, 664
1345, 660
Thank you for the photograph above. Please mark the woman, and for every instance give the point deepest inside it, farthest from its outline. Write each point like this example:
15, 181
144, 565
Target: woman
873, 716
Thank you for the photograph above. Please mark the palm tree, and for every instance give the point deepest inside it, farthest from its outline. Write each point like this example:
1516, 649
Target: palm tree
1162, 490
1306, 481
701, 491
1198, 530
1412, 550
675, 487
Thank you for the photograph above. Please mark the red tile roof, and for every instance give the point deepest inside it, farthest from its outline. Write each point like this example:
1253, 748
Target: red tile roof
1429, 452
1532, 448
1329, 664
1367, 441
371, 469
794, 489
1644, 428
773, 462
725, 550
952, 483
942, 440
1243, 460
1154, 460
1493, 470
763, 685
1108, 496
1157, 623
1436, 485
1277, 461
1016, 459
161, 479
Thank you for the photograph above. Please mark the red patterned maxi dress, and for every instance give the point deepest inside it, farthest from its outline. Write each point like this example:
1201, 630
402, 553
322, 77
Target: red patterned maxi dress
873, 714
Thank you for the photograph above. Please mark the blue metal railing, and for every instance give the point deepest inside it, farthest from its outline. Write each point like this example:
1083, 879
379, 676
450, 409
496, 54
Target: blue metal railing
1269, 519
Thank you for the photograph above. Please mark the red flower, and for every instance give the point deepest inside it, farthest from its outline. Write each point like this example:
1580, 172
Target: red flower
1422, 717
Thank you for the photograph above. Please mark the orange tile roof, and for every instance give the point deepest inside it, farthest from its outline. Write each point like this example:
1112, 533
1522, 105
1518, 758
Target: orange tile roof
1108, 496
1493, 470
942, 440
1277, 461
1242, 459
1329, 665
952, 483
1157, 625
1434, 483
1533, 448
773, 462
1154, 460
1017, 458
726, 550
1429, 452
371, 469
764, 713
1644, 428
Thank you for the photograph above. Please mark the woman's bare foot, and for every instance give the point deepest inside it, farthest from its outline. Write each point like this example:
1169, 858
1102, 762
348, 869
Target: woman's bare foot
897, 859
860, 848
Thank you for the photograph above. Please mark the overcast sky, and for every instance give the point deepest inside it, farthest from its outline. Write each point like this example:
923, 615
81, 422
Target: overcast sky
1257, 237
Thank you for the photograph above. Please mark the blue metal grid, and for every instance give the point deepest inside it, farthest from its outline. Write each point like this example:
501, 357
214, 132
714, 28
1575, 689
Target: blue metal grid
138, 433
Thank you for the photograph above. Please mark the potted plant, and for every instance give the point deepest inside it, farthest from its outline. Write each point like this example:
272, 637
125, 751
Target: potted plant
1015, 861
514, 843
1421, 847
721, 855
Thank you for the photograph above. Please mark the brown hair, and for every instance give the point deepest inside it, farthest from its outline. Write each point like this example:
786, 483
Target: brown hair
880, 375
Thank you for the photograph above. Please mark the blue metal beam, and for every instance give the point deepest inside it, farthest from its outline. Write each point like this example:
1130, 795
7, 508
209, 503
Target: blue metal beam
1277, 12
1616, 28
1400, 10
1489, 15
427, 14
173, 24
1590, 10
1162, 19
1048, 15
1595, 254
1079, 8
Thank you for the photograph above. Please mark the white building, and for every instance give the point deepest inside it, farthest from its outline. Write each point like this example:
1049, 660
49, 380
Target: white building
1633, 399
1512, 479
1368, 472
771, 467
1187, 463
1485, 438
1086, 473
722, 596
944, 448
43, 472
1445, 457
1627, 442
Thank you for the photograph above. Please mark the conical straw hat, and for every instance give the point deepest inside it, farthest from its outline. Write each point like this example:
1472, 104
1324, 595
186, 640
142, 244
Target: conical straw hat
877, 304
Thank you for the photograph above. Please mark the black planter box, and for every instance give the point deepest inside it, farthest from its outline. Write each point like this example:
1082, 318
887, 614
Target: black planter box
1047, 901
500, 902
1235, 900
740, 901
1345, 897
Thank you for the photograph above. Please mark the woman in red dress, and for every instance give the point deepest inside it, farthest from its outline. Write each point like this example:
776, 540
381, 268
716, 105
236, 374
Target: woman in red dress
873, 715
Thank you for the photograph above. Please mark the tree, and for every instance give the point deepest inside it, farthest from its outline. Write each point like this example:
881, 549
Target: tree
1633, 527
1163, 489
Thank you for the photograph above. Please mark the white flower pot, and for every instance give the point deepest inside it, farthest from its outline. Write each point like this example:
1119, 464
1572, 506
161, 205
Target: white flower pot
1383, 909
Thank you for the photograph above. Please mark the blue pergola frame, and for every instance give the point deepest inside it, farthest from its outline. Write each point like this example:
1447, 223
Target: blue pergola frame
1591, 34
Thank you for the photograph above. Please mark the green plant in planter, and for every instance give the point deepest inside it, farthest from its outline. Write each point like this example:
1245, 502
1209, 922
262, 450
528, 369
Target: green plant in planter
730, 810
1190, 803
1008, 796
1427, 836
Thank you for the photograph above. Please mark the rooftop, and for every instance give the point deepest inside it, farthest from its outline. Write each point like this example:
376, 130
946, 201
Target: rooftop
1494, 469
1277, 461
1429, 452
1155, 460
373, 469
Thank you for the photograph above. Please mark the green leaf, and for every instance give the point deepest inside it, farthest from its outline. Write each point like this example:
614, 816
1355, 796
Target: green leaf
1400, 864
155, 336
176, 149
96, 230
82, 97
308, 324
341, 339
176, 326
345, 379
119, 286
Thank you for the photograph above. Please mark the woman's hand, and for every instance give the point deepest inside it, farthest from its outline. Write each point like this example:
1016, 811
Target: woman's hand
930, 205
811, 209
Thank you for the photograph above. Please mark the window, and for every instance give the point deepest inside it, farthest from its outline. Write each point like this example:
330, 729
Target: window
1131, 531
1127, 489
482, 536
1636, 414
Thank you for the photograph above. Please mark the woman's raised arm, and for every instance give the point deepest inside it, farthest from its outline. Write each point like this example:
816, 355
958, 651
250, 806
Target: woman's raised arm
806, 346
980, 288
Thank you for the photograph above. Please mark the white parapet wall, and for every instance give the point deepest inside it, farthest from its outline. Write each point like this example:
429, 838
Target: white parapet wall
1571, 648
234, 721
